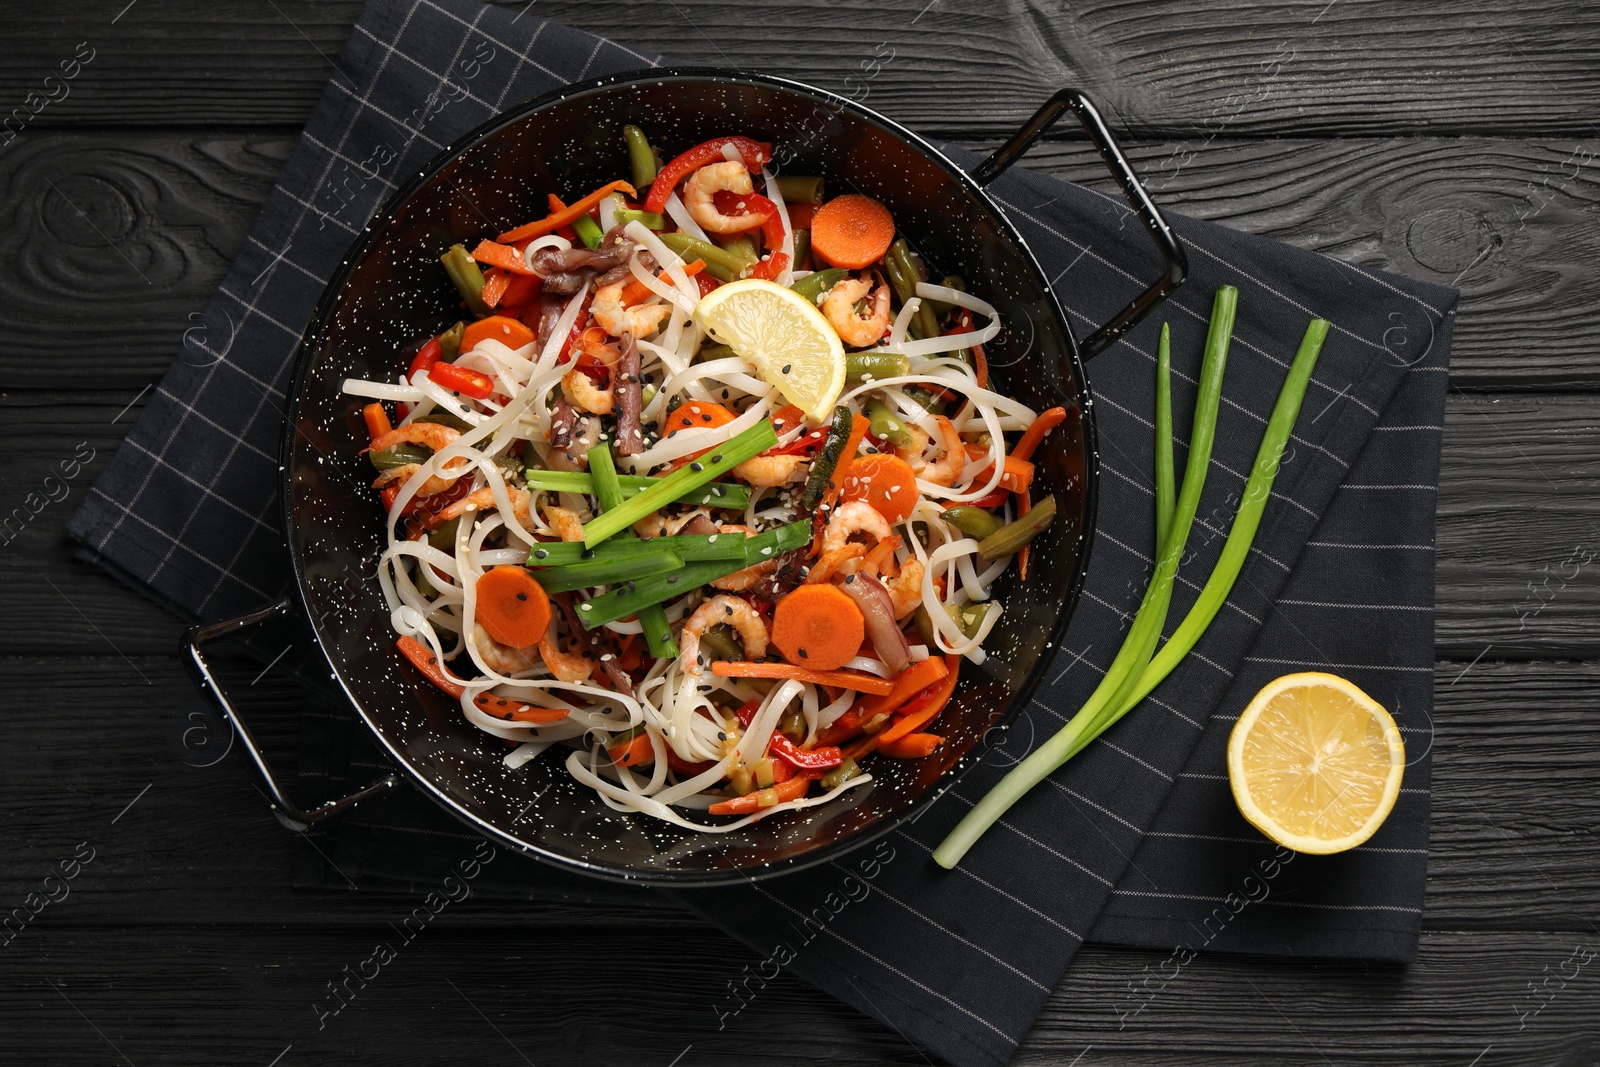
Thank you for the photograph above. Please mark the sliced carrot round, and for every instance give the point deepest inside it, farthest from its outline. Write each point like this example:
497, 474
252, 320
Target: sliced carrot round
507, 331
512, 607
698, 415
884, 481
851, 231
818, 626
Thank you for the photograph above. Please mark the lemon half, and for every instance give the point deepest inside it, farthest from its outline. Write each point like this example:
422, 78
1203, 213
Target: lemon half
788, 340
1315, 763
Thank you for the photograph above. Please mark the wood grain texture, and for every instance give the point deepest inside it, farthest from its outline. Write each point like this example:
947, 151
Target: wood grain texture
1517, 499
138, 230
1513, 807
1167, 68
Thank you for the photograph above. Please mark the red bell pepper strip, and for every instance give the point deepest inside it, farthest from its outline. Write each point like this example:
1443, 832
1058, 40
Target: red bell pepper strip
993, 500
805, 759
521, 290
503, 256
771, 267
423, 659
706, 283
425, 358
477, 385
747, 712
755, 154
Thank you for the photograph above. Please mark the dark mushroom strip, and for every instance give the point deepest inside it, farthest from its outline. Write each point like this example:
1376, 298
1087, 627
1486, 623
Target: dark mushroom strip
592, 640
629, 391
549, 314
562, 420
614, 251
877, 609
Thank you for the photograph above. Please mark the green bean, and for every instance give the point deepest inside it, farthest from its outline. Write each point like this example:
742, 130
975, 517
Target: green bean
793, 725
813, 285
886, 425
445, 418
899, 259
875, 365
925, 400
692, 248
974, 522
468, 279
802, 247
642, 160
1166, 491
1011, 537
719, 272
742, 247
841, 774
719, 642
443, 536
924, 624
398, 456
969, 620
588, 231
903, 283
648, 219
712, 350
450, 342
944, 307
797, 188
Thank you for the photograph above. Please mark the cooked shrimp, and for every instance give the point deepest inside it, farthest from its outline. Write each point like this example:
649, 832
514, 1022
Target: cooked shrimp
565, 523
434, 435
583, 394
479, 499
502, 659
615, 318
912, 453
771, 470
853, 517
566, 666
905, 592
736, 612
949, 466
839, 308
402, 474
656, 524
700, 191
831, 560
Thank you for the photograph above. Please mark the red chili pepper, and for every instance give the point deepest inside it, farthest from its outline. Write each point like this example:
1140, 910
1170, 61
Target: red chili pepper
993, 500
477, 385
805, 759
807, 441
771, 267
755, 154
706, 282
429, 354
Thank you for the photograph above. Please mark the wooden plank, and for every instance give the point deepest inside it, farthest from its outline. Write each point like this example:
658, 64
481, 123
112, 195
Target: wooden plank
1514, 748
248, 993
1518, 559
1504, 220
1165, 68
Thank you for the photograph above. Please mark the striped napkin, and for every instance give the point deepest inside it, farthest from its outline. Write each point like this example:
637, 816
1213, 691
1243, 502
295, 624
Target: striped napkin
1136, 841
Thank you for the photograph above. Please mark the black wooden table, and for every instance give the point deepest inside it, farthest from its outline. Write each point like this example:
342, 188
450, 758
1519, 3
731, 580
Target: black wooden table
1453, 142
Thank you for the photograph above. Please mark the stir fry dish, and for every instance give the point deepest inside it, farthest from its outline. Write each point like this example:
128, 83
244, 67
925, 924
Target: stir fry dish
707, 489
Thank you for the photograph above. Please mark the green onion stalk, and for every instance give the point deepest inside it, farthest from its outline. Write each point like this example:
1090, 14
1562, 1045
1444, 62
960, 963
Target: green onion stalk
1137, 669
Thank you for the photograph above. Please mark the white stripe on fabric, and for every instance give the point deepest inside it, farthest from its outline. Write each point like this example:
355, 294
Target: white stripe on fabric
1018, 901
1269, 900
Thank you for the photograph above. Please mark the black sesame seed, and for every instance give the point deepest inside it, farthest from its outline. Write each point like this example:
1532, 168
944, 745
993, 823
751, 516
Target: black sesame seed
587, 553
717, 458
540, 553
787, 367
705, 418
721, 736
522, 596
727, 610
672, 579
849, 578
697, 467
803, 654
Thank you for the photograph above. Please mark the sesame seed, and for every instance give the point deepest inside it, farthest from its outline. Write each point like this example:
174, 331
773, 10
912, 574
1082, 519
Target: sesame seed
540, 553
697, 467
849, 578
522, 596
787, 367
717, 458
705, 418
803, 654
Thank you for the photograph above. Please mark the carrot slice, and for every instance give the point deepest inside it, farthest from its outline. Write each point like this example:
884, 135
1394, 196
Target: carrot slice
503, 256
859, 683
884, 481
512, 606
495, 284
907, 684
791, 789
423, 659
1036, 432
925, 707
911, 746
557, 219
817, 626
377, 421
851, 231
635, 290
507, 331
633, 752
697, 415
515, 710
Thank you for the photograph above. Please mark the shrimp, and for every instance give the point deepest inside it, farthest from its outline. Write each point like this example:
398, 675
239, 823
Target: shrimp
403, 474
615, 318
912, 453
700, 191
431, 435
839, 308
752, 575
954, 460
582, 393
565, 523
566, 666
656, 524
853, 517
905, 592
484, 498
502, 659
770, 470
736, 612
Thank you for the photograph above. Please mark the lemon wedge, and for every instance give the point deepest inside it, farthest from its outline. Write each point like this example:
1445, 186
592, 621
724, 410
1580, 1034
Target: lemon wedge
1315, 763
788, 340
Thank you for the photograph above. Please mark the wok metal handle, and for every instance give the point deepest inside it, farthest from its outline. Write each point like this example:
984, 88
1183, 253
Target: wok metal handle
288, 812
1132, 189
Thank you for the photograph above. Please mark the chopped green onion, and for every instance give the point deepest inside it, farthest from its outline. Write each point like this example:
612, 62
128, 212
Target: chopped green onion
1165, 487
648, 219
629, 599
607, 572
723, 458
718, 494
1139, 645
608, 494
691, 548
588, 231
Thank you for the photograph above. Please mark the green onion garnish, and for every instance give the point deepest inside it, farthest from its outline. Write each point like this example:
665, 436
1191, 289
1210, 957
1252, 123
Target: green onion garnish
688, 547
608, 495
728, 495
608, 572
